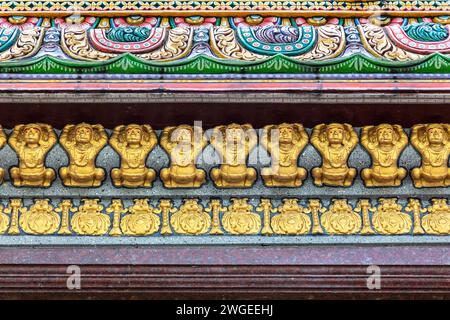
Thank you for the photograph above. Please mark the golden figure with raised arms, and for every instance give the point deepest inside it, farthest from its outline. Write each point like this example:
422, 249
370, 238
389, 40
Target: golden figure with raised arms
32, 142
284, 142
183, 145
384, 143
133, 143
234, 143
2, 144
433, 143
83, 143
335, 142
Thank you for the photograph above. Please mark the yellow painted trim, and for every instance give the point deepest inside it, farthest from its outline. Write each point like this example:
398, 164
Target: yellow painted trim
231, 13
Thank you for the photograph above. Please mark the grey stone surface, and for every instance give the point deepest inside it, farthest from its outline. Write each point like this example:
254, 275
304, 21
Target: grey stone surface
26, 240
294, 97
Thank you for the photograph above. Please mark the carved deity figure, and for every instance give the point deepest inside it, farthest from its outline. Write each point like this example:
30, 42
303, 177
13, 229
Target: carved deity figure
83, 142
183, 145
384, 143
133, 143
2, 144
32, 142
433, 143
284, 142
234, 143
335, 142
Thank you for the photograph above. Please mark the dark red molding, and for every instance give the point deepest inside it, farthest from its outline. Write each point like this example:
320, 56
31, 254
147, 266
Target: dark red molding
226, 272
212, 114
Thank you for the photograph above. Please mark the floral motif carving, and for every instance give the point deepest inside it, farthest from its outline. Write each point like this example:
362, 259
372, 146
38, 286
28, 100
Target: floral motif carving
191, 218
389, 218
240, 218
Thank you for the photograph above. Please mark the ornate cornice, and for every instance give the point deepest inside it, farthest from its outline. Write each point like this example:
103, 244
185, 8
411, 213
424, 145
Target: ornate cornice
339, 8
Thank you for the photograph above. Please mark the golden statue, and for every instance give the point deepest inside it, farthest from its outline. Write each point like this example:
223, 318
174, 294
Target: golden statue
234, 143
284, 142
291, 219
133, 143
335, 142
437, 221
41, 218
183, 145
90, 220
2, 144
340, 218
191, 218
389, 218
141, 220
83, 142
239, 218
384, 143
32, 142
433, 143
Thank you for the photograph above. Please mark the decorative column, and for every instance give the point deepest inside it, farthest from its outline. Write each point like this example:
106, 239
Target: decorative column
266, 208
116, 208
215, 207
65, 207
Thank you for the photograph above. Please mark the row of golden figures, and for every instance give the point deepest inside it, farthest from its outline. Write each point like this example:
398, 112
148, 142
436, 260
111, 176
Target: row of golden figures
285, 142
387, 217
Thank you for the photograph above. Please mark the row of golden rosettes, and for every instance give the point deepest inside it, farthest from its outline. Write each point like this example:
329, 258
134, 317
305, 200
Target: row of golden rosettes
387, 217
285, 142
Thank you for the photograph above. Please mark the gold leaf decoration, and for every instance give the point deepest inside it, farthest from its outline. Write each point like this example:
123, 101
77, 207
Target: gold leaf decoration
40, 218
291, 219
191, 218
89, 220
141, 219
4, 220
240, 218
340, 218
437, 221
389, 218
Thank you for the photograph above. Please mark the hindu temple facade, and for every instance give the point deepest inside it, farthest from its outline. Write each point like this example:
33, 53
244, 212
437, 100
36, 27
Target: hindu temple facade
301, 139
